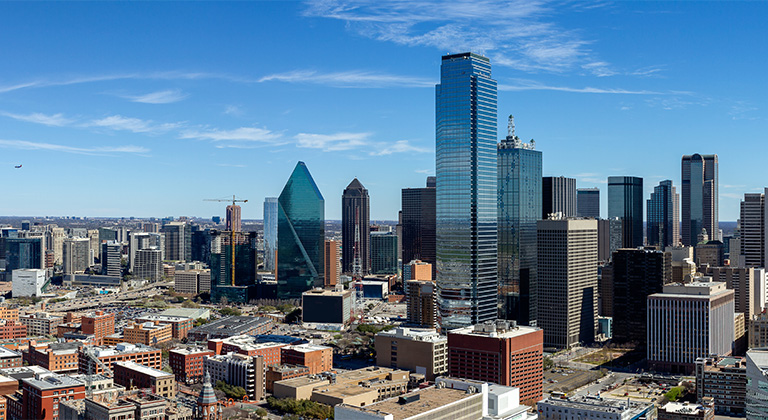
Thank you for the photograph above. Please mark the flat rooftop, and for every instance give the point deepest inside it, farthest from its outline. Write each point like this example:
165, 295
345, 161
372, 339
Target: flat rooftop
304, 381
429, 399
324, 292
157, 373
600, 404
188, 312
186, 351
53, 381
122, 348
5, 353
415, 334
682, 408
233, 325
482, 330
344, 390
163, 318
306, 348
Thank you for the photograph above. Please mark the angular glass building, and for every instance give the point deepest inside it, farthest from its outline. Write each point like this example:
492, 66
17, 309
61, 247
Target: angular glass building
520, 205
300, 235
625, 201
700, 197
663, 219
466, 196
270, 233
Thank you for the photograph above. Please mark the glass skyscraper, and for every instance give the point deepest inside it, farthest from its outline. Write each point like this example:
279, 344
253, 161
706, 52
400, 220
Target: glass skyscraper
520, 203
270, 232
466, 196
300, 235
625, 201
663, 219
700, 197
355, 212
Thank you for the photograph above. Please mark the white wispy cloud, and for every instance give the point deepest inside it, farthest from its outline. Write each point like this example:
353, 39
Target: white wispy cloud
231, 165
521, 84
55, 120
101, 150
423, 171
159, 97
348, 79
400, 146
332, 142
136, 125
520, 34
243, 137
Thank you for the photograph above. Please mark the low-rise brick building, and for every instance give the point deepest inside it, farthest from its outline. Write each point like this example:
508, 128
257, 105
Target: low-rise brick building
148, 333
187, 363
281, 372
725, 380
133, 375
10, 330
56, 357
180, 324
141, 354
317, 358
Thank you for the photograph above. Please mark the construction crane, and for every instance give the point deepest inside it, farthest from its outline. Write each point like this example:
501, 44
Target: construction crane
231, 232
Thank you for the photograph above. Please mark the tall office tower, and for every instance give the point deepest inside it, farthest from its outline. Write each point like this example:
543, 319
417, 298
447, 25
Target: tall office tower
421, 302
300, 235
418, 225
663, 218
609, 238
148, 263
243, 288
700, 194
93, 236
201, 245
178, 241
519, 192
567, 258
636, 273
24, 253
355, 226
687, 321
625, 201
233, 218
54, 240
588, 202
142, 240
332, 263
77, 253
110, 258
383, 253
466, 196
558, 195
270, 233
754, 233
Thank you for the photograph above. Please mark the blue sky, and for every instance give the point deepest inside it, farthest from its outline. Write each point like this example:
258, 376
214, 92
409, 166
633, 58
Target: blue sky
147, 108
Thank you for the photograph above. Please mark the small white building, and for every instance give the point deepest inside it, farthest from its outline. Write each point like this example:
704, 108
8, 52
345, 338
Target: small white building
28, 282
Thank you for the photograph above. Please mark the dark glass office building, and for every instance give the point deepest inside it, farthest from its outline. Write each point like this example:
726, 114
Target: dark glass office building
700, 194
270, 233
625, 201
23, 253
244, 287
588, 202
663, 220
383, 253
466, 198
558, 196
637, 273
520, 202
355, 216
418, 225
300, 235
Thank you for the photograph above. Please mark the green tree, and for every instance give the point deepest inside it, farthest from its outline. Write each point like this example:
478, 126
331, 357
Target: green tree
674, 394
168, 369
230, 312
189, 304
548, 363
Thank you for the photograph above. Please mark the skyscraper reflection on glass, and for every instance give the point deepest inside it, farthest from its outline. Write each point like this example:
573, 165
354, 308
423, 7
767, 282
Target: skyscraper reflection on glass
270, 233
520, 206
300, 235
466, 191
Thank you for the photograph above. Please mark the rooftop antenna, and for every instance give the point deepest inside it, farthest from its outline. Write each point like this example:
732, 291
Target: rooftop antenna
511, 126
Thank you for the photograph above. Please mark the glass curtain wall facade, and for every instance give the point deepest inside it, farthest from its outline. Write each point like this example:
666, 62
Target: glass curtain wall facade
419, 226
23, 253
270, 233
625, 201
588, 202
700, 197
355, 211
300, 235
466, 197
520, 202
383, 253
244, 288
663, 218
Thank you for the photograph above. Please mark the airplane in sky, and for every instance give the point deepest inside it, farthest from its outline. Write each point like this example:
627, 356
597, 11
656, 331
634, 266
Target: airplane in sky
17, 166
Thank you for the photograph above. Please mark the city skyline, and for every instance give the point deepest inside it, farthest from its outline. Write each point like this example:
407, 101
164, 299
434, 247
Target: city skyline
201, 104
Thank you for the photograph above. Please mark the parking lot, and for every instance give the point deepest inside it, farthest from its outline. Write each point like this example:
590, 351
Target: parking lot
566, 380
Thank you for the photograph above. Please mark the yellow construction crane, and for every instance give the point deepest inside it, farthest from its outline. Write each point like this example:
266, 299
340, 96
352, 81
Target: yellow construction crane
231, 232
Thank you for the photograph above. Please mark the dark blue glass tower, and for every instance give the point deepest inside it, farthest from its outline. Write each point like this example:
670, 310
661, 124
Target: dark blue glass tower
625, 201
23, 253
520, 206
270, 232
300, 235
466, 191
662, 215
